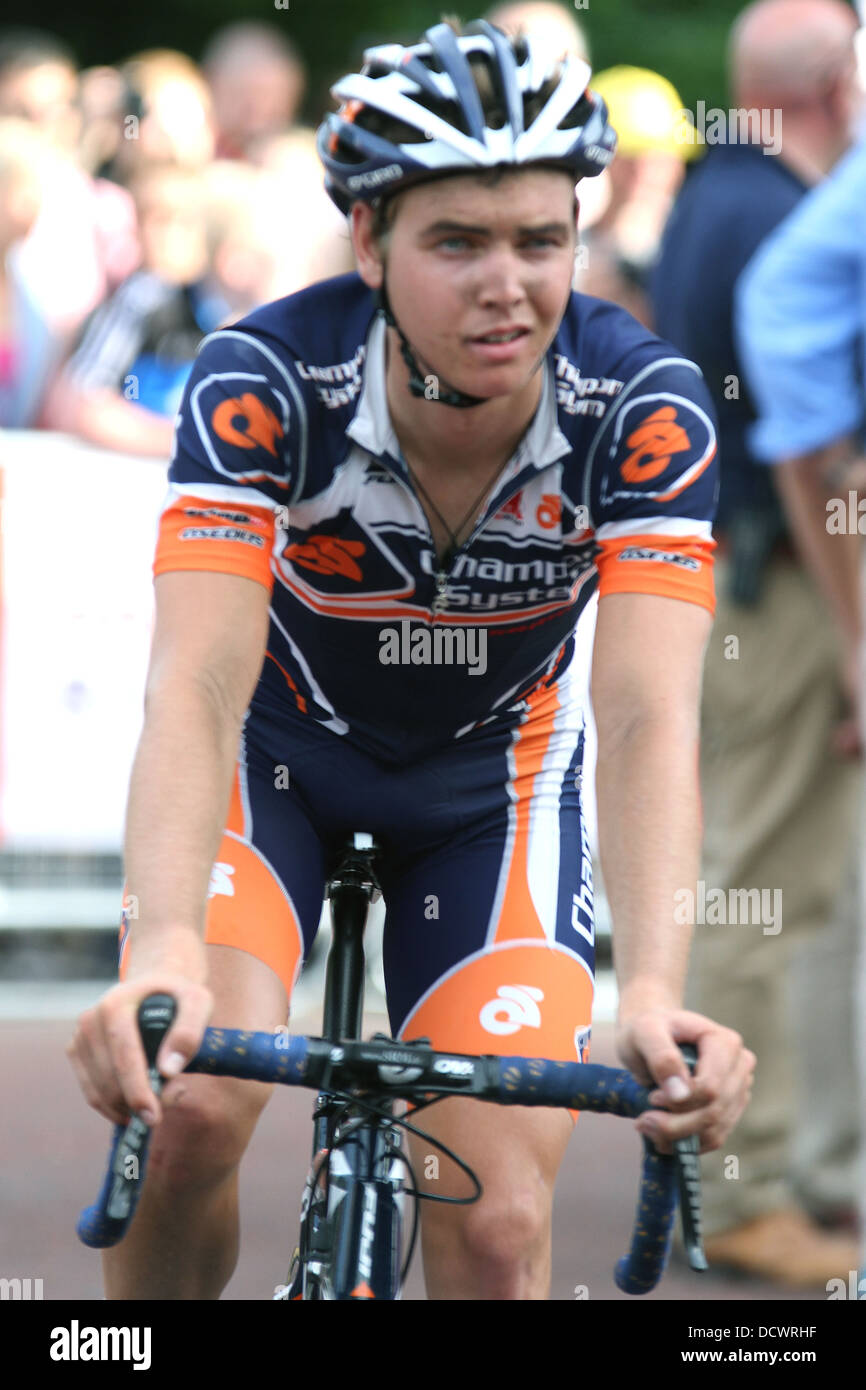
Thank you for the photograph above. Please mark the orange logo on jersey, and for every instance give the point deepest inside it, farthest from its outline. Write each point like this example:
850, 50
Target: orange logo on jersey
327, 555
549, 511
654, 442
258, 423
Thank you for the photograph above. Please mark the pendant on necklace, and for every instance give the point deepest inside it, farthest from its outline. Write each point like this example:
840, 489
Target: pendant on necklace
441, 598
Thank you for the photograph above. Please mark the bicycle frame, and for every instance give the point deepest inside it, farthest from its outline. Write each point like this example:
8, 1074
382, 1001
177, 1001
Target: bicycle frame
350, 1238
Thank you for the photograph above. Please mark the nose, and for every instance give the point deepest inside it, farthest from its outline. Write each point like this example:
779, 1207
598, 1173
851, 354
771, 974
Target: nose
501, 279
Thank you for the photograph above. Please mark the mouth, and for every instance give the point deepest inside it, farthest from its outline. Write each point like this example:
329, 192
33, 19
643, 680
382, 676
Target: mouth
501, 335
499, 344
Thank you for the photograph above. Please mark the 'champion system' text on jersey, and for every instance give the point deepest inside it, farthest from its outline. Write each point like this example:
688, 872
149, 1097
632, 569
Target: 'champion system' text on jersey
286, 470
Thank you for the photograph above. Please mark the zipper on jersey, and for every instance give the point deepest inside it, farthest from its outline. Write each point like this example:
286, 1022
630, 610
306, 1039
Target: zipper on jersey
440, 599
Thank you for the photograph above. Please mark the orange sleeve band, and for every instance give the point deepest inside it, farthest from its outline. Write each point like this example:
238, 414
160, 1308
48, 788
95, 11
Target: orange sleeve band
672, 566
199, 535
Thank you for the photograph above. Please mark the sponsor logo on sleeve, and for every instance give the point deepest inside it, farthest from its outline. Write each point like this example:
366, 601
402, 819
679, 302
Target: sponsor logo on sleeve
665, 557
220, 533
247, 422
653, 445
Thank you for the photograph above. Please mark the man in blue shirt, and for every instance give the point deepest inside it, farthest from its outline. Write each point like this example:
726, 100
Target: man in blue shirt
778, 802
801, 319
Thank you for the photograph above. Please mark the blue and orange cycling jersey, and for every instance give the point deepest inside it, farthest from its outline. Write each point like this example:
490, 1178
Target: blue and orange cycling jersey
464, 760
286, 469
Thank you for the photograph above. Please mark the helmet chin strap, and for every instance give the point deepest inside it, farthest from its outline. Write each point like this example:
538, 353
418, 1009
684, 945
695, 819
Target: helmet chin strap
417, 385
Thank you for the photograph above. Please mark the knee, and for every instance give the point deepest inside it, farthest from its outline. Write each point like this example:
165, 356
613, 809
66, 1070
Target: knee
206, 1126
505, 1240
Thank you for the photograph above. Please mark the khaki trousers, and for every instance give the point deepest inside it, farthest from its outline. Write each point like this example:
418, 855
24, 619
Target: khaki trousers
780, 814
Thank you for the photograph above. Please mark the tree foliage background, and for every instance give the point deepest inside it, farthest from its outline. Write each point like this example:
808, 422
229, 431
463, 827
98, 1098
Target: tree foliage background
684, 39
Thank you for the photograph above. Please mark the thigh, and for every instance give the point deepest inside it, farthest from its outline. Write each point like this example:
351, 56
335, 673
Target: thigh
489, 948
489, 935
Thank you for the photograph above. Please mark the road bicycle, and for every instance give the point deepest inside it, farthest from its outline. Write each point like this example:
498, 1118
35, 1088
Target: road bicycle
352, 1226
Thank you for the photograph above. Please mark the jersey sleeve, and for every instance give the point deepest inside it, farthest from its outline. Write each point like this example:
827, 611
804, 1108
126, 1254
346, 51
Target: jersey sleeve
652, 486
238, 453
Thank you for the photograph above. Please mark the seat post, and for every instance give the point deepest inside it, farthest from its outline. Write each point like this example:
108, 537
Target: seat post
351, 889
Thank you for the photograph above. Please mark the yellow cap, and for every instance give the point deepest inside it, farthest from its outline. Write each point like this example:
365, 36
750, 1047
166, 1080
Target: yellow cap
646, 111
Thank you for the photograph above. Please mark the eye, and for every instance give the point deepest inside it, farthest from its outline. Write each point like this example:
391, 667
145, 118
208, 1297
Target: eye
541, 241
451, 241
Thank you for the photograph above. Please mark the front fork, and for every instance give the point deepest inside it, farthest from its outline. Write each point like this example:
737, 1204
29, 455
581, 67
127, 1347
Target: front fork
351, 1213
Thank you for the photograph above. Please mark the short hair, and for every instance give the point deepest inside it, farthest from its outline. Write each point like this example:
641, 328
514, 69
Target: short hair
31, 48
252, 36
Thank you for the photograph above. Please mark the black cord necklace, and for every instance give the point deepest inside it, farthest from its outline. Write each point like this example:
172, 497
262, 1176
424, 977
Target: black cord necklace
447, 558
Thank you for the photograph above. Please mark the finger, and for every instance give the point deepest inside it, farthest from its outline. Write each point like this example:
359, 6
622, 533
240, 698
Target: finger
183, 1039
128, 1062
711, 1122
662, 1062
720, 1052
93, 1069
82, 1067
94, 1057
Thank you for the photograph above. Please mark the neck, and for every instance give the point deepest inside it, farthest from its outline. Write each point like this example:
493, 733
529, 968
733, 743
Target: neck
454, 440
808, 155
811, 141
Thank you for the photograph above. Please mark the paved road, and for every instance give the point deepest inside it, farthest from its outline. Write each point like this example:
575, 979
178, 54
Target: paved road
53, 1149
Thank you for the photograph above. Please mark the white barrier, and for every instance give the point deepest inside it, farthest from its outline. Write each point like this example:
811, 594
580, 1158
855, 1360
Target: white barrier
78, 533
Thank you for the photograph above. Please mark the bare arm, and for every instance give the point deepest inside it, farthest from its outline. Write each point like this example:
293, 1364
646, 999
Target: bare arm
208, 648
646, 691
647, 666
106, 418
805, 485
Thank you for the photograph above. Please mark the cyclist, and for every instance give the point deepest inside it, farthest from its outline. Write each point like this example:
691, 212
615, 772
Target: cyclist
447, 445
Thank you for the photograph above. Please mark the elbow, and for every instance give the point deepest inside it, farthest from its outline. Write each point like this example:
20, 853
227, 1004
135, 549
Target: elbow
662, 723
195, 694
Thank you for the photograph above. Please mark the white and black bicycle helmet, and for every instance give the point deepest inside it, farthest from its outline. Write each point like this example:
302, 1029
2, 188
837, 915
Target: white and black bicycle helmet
427, 97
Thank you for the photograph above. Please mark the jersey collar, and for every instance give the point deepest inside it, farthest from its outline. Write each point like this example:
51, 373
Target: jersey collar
542, 444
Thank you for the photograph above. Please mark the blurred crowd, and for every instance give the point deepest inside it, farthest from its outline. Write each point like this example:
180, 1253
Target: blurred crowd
141, 207
144, 205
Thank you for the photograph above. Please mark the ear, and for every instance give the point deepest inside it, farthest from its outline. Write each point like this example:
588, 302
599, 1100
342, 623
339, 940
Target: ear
367, 254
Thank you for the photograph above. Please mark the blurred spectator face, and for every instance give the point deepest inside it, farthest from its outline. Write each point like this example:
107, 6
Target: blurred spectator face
254, 99
172, 224
102, 94
257, 84
45, 94
173, 122
550, 24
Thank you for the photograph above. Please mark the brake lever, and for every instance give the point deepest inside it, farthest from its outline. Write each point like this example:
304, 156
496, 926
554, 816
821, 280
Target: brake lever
686, 1154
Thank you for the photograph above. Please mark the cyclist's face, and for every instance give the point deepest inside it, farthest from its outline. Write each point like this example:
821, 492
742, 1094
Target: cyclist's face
465, 259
